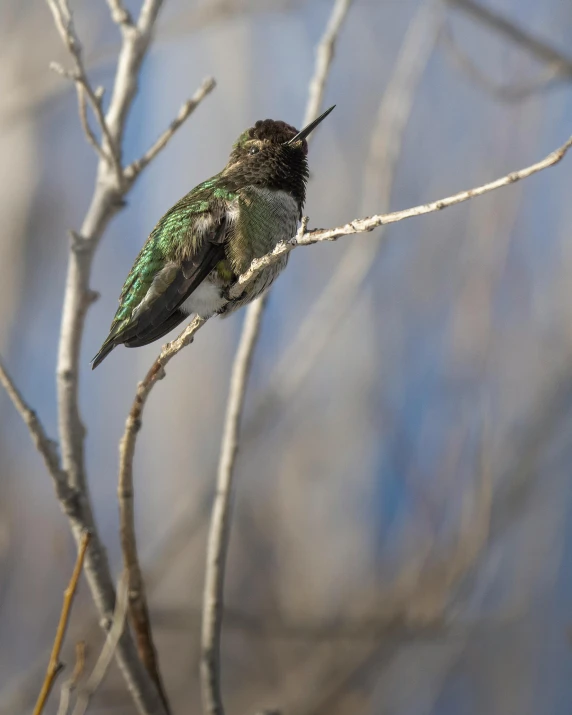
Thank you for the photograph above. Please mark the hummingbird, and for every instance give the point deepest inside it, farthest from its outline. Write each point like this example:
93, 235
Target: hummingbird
201, 246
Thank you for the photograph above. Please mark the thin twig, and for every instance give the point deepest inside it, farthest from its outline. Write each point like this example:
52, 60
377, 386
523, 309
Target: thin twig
54, 665
134, 169
138, 609
87, 130
108, 651
64, 24
71, 684
217, 544
45, 446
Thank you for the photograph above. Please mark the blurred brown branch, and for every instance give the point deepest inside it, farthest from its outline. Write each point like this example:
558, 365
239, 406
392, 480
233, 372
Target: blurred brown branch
367, 628
54, 666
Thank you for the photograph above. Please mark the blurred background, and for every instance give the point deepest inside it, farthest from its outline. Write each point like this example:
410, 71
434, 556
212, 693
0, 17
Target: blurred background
402, 535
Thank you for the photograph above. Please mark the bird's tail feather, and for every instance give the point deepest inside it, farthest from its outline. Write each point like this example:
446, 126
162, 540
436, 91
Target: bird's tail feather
104, 351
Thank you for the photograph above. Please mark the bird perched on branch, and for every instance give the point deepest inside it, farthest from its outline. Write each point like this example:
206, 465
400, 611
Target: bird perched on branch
201, 246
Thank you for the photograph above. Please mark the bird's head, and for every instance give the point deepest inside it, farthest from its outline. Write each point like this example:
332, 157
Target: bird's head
272, 154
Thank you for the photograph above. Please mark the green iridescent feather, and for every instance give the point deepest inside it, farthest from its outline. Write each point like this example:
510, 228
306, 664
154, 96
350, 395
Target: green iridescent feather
172, 239
175, 240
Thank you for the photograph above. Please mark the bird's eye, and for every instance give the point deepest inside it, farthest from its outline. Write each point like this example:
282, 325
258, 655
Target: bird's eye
254, 150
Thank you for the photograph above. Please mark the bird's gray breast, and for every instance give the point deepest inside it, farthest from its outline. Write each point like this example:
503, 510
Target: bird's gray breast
265, 217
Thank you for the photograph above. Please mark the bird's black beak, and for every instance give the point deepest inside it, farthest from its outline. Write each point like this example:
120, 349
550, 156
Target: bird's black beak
308, 129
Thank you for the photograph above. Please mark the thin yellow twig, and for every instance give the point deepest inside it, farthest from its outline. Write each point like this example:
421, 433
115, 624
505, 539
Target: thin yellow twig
54, 665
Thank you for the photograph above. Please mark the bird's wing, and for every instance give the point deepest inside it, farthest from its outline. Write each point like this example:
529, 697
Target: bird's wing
182, 250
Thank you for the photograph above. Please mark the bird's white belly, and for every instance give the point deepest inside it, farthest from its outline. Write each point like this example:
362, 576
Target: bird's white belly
205, 300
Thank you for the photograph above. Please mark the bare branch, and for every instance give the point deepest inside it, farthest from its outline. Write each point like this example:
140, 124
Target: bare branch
54, 665
539, 48
108, 651
134, 169
87, 130
64, 24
